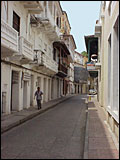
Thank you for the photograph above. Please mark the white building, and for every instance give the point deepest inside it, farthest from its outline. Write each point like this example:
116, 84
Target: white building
78, 59
28, 31
107, 31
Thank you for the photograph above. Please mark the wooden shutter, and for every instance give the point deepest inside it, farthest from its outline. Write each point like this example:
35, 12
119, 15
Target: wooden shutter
16, 22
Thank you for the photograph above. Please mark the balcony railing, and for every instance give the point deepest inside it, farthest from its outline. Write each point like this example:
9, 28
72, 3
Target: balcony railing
25, 48
9, 38
46, 23
49, 63
62, 68
45, 63
69, 45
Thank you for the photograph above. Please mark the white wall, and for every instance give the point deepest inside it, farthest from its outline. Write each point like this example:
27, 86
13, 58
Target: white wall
6, 84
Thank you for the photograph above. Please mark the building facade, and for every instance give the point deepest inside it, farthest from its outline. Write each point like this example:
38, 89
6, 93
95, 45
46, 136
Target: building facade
107, 31
69, 41
80, 74
29, 31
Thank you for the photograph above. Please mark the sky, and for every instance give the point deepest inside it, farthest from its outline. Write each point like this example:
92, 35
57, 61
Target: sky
82, 16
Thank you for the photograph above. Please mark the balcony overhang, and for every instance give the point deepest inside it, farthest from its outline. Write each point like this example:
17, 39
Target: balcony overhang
9, 40
45, 26
43, 63
44, 69
61, 74
25, 54
21, 58
62, 45
7, 52
33, 7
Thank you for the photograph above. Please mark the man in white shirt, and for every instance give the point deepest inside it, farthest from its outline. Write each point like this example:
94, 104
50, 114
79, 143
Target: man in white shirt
38, 95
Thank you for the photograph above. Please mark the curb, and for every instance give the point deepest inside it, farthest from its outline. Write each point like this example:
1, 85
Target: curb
31, 116
85, 155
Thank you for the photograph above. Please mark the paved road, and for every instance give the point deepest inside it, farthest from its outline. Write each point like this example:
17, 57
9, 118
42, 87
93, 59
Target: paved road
56, 134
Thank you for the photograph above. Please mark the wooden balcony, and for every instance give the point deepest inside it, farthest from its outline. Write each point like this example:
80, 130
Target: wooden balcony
9, 40
62, 70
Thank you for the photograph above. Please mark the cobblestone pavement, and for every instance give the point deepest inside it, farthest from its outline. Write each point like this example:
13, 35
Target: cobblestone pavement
55, 134
99, 141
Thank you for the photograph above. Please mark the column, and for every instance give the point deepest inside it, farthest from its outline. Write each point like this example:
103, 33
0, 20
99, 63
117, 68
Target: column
59, 87
34, 88
46, 97
50, 88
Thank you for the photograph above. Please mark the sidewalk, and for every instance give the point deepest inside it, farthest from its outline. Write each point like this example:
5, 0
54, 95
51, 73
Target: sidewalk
99, 142
16, 118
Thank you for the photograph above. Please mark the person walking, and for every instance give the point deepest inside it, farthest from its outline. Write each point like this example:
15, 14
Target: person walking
38, 95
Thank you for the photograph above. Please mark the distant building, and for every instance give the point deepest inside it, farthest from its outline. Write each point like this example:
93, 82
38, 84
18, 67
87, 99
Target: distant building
80, 74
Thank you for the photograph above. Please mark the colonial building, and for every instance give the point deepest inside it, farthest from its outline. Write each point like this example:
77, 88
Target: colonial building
107, 31
30, 56
68, 44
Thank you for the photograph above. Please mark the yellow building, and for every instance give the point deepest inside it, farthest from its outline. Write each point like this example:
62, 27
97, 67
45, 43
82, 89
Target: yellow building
85, 60
69, 41
65, 25
107, 31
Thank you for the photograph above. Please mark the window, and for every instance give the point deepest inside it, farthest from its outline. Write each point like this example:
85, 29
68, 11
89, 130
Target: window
16, 22
58, 22
109, 70
54, 54
116, 65
109, 8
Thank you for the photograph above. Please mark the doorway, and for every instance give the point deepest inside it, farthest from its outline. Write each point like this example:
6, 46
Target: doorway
25, 94
49, 90
57, 88
44, 96
15, 91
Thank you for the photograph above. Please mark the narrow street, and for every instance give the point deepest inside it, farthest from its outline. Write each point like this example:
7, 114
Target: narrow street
57, 133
